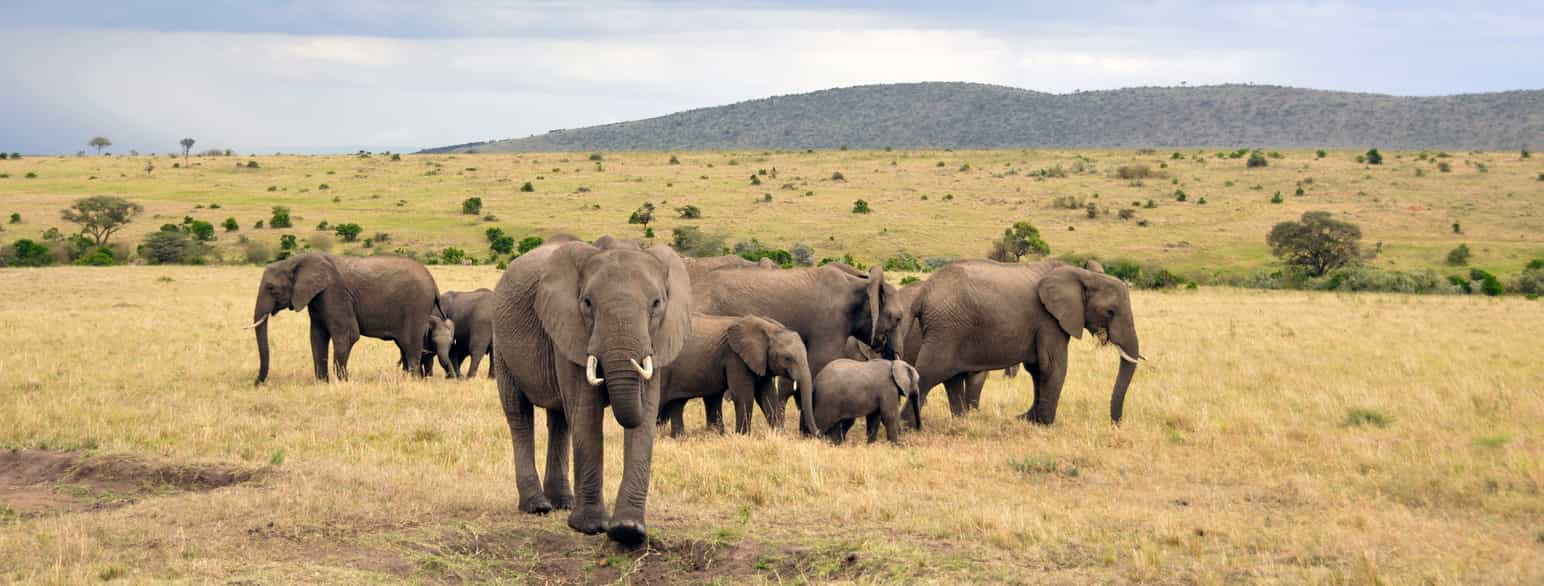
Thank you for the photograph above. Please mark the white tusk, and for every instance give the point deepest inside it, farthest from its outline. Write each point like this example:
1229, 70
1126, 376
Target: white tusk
589, 372
645, 370
1126, 357
256, 323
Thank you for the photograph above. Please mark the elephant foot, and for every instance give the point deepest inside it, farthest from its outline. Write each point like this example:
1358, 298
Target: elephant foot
562, 501
1036, 418
628, 533
588, 522
536, 505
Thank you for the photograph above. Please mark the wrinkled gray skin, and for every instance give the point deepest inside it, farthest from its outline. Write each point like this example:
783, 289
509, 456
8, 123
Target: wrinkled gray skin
439, 336
871, 389
740, 355
557, 308
983, 315
824, 305
473, 313
382, 297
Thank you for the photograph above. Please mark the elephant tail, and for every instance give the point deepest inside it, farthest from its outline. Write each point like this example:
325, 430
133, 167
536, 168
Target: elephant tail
438, 309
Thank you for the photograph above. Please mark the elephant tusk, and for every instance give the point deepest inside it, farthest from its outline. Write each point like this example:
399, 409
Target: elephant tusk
589, 372
256, 323
645, 370
1126, 357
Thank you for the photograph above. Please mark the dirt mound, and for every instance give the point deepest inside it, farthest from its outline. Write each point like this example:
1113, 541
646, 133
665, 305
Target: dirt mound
39, 482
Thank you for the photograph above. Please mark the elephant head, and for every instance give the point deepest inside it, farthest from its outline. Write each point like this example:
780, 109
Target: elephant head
438, 337
769, 349
1081, 299
906, 377
288, 284
618, 312
881, 315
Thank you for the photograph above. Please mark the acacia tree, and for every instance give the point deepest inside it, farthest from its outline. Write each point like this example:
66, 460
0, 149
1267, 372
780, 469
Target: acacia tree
99, 143
102, 215
1317, 242
187, 145
1019, 240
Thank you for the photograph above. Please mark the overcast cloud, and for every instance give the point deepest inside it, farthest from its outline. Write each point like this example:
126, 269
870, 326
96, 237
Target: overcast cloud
341, 76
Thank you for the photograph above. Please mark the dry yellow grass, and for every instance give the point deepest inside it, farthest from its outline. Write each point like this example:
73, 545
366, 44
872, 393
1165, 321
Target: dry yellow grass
1236, 462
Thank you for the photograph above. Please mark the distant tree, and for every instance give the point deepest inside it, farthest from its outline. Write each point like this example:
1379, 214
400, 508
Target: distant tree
472, 206
1092, 210
281, 217
1459, 256
1019, 240
502, 244
15, 217
643, 215
1318, 243
803, 254
1458, 228
1257, 159
201, 230
674, 160
1319, 154
99, 143
231, 225
27, 253
1374, 157
168, 247
1526, 153
101, 215
861, 207
187, 145
527, 187
348, 232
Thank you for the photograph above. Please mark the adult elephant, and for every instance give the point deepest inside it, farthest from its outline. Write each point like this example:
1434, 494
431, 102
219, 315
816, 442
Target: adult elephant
578, 327
386, 297
984, 315
473, 313
741, 355
824, 305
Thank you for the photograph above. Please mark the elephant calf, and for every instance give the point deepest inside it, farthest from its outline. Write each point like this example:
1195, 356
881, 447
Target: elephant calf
439, 336
742, 355
848, 389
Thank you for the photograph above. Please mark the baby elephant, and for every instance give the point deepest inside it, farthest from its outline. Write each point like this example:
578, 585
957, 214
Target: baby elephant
848, 389
438, 337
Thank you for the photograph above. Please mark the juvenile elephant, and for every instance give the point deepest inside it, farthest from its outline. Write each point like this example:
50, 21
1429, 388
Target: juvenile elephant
382, 297
578, 327
438, 337
872, 389
473, 313
981, 315
742, 355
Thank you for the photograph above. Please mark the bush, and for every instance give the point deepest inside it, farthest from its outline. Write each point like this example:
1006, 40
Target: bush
527, 187
1126, 214
861, 207
692, 241
1459, 256
1131, 172
597, 157
1374, 157
27, 253
1276, 198
256, 252
100, 256
452, 255
689, 212
643, 215
1531, 281
15, 217
1363, 278
280, 218
502, 244
909, 279
251, 164
803, 254
1318, 243
1092, 210
837, 176
1179, 195
903, 261
165, 247
1489, 284
528, 244
1446, 167
471, 206
1256, 159
674, 160
348, 232
323, 226
201, 230
231, 225
755, 180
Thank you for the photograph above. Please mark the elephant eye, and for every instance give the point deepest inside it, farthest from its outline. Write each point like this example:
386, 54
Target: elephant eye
587, 304
654, 305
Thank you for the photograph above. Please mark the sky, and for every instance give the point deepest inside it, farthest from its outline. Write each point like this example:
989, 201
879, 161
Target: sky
339, 76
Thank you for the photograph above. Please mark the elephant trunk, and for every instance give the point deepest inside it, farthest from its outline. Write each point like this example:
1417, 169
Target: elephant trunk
260, 324
625, 386
806, 388
1128, 366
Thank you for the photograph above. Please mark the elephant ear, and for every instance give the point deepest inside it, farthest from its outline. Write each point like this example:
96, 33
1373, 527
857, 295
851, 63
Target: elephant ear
905, 376
876, 284
750, 340
857, 350
1061, 292
676, 325
1093, 266
313, 274
557, 300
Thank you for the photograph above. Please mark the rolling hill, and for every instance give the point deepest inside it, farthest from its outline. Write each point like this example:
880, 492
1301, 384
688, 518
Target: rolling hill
969, 115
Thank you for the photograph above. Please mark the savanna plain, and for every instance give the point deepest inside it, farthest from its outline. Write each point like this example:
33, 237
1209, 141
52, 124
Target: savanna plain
1272, 436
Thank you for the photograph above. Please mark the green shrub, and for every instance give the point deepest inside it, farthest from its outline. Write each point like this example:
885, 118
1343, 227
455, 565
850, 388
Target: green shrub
1459, 256
166, 247
689, 212
251, 164
201, 230
1256, 159
348, 232
1374, 157
909, 279
231, 225
502, 244
15, 217
280, 218
1357, 417
674, 160
861, 207
100, 256
27, 253
1276, 198
597, 157
472, 206
452, 255
1531, 281
1319, 154
692, 241
528, 244
1179, 195
755, 180
1318, 243
902, 261
527, 187
1489, 284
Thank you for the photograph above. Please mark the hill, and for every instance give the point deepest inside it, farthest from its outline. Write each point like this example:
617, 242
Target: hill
969, 115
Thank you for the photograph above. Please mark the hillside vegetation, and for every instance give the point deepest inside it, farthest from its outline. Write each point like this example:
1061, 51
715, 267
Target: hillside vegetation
968, 115
934, 203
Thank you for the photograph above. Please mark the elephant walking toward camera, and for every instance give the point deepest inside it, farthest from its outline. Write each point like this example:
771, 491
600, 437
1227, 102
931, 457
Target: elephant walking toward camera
473, 313
982, 315
437, 344
578, 327
871, 389
740, 355
384, 297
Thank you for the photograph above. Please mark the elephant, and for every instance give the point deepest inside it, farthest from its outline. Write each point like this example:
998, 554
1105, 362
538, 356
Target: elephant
824, 305
382, 297
980, 315
578, 327
742, 355
439, 336
872, 389
473, 313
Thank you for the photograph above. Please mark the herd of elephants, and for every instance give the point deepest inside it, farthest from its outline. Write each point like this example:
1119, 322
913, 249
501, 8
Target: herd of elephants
573, 326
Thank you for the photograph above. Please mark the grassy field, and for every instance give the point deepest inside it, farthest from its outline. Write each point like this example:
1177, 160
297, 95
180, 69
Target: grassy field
1408, 204
1272, 437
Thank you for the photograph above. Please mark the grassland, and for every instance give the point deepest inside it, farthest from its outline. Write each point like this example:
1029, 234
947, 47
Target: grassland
1275, 437
1407, 204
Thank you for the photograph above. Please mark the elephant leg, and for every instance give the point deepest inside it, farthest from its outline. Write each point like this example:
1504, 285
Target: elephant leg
342, 345
556, 487
1048, 384
931, 371
892, 426
319, 341
742, 390
955, 389
771, 403
713, 405
973, 386
871, 425
677, 410
521, 416
585, 418
478, 349
627, 525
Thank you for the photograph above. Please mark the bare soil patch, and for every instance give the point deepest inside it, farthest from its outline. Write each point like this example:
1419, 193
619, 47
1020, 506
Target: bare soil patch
41, 482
